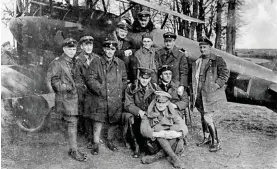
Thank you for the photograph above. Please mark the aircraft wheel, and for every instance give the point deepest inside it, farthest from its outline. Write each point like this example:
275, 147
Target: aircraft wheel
31, 113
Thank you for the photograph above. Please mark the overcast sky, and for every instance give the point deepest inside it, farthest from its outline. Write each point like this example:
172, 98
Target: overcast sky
260, 30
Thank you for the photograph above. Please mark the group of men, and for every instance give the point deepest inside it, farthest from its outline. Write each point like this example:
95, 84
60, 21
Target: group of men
142, 90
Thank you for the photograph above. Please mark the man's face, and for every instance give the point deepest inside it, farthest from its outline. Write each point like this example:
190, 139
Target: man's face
70, 51
7, 48
87, 47
147, 43
121, 33
161, 106
166, 76
169, 43
205, 49
144, 20
144, 81
109, 51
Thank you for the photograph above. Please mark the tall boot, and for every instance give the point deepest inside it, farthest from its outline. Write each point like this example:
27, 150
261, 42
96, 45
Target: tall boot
168, 150
136, 146
206, 134
215, 146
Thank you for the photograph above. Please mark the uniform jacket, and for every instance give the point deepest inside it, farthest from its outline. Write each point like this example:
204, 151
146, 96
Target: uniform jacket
154, 121
180, 101
106, 86
215, 71
177, 60
61, 77
136, 99
81, 68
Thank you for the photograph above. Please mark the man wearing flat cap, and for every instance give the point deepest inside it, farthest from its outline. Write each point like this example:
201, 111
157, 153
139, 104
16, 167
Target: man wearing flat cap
174, 57
82, 62
209, 78
61, 77
138, 96
107, 80
8, 57
145, 56
125, 48
179, 101
163, 125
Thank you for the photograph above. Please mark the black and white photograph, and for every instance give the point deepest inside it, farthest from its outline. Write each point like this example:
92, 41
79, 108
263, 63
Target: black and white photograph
138, 84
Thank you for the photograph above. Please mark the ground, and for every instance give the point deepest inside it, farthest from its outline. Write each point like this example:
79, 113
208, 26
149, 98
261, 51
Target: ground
248, 136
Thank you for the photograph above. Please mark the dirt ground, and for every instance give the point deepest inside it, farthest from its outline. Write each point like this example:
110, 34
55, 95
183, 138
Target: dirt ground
248, 136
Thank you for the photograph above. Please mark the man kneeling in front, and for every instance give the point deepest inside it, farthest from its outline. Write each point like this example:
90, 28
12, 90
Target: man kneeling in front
165, 127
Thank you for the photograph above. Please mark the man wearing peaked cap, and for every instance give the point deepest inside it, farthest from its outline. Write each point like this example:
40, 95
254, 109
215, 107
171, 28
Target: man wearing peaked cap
106, 80
174, 57
69, 42
169, 36
138, 96
61, 78
209, 91
205, 41
125, 48
163, 125
82, 62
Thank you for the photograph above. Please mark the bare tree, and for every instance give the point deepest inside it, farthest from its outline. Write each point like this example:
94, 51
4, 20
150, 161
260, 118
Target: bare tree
231, 27
218, 27
201, 16
194, 14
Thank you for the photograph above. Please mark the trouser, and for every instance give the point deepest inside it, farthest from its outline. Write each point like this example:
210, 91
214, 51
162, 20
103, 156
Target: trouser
71, 123
131, 126
172, 147
88, 124
97, 127
208, 125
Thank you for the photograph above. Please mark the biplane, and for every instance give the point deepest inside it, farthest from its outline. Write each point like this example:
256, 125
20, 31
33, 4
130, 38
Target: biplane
46, 25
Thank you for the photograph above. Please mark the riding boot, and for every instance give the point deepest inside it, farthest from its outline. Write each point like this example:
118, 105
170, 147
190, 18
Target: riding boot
215, 146
206, 134
168, 150
136, 146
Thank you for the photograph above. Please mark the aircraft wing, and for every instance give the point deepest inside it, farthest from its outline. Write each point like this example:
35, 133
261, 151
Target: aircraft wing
165, 10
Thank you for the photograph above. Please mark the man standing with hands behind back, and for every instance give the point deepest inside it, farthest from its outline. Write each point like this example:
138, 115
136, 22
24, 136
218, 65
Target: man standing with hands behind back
209, 76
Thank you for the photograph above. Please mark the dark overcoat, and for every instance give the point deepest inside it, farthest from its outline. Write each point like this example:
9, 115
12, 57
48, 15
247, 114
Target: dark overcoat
61, 77
215, 71
181, 101
81, 68
177, 60
106, 83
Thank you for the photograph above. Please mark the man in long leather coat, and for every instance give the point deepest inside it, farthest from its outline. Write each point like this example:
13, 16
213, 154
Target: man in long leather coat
209, 76
61, 76
106, 80
138, 96
83, 61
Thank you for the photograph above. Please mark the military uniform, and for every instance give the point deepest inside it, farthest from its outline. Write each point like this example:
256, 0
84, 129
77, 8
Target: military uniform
175, 58
83, 61
137, 97
61, 76
209, 76
166, 120
106, 81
